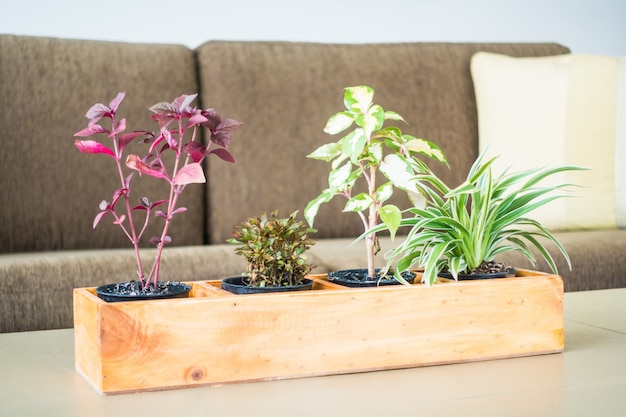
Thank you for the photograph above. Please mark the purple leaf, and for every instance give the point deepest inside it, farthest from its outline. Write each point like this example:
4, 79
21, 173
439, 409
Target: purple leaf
134, 162
229, 125
99, 217
158, 203
182, 103
127, 138
155, 240
195, 120
128, 179
116, 196
114, 104
223, 154
163, 108
120, 220
91, 130
197, 156
97, 111
119, 127
188, 174
179, 210
160, 213
213, 119
221, 138
91, 146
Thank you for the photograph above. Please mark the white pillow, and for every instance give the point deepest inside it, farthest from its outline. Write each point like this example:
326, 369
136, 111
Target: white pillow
553, 111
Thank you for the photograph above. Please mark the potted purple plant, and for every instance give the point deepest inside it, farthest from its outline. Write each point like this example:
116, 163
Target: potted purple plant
179, 123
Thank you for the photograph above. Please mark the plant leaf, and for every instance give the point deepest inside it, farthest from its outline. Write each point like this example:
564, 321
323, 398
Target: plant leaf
91, 130
191, 173
115, 103
91, 146
326, 152
338, 123
134, 162
391, 216
310, 211
338, 178
223, 154
359, 203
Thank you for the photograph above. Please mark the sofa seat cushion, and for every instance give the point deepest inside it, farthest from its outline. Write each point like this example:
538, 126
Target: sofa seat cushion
38, 286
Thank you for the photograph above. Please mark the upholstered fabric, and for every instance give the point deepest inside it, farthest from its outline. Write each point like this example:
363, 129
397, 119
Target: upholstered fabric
37, 287
51, 191
285, 92
552, 111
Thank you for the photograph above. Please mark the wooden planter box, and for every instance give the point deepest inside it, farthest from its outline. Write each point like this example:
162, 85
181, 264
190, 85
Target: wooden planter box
215, 337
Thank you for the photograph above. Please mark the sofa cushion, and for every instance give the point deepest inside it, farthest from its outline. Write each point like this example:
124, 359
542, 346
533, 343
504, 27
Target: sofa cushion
37, 287
50, 191
284, 93
562, 110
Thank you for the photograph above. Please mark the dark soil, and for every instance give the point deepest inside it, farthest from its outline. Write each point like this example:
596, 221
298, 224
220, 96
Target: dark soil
131, 290
359, 277
490, 268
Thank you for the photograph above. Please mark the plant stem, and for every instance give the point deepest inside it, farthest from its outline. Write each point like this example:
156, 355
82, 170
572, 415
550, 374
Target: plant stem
129, 212
370, 240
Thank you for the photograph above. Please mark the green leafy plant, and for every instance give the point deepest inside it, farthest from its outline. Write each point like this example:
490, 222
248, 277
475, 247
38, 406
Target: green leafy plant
274, 249
462, 228
361, 154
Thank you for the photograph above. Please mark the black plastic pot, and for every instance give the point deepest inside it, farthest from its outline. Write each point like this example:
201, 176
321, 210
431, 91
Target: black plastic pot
236, 285
359, 278
468, 277
131, 291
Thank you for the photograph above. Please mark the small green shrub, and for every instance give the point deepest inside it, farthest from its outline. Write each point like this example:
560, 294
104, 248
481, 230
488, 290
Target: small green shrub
274, 249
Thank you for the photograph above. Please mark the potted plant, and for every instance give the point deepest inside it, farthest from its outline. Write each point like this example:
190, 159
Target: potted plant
362, 153
274, 249
462, 230
179, 123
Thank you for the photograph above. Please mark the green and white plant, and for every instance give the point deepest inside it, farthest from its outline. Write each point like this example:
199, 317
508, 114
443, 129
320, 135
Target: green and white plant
362, 153
462, 228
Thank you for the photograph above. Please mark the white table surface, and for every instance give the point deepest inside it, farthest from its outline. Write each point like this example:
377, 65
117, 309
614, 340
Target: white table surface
37, 378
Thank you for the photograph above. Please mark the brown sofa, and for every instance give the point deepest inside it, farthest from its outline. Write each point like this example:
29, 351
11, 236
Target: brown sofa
283, 92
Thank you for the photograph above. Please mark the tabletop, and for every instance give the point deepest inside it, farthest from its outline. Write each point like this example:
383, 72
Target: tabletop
37, 378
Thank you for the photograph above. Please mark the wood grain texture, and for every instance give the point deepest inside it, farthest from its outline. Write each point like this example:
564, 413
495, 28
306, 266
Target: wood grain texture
216, 337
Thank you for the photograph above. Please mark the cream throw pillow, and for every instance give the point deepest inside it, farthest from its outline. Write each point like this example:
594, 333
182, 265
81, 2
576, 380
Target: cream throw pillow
559, 110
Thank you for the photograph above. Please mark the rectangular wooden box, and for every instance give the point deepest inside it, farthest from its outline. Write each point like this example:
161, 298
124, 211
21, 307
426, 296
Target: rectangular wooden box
215, 337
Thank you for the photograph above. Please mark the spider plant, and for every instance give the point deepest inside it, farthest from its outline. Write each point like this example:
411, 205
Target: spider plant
486, 215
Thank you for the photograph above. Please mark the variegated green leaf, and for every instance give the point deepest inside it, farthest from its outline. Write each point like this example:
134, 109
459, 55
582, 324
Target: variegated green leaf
338, 123
326, 152
398, 171
359, 203
384, 192
312, 208
354, 143
359, 98
339, 177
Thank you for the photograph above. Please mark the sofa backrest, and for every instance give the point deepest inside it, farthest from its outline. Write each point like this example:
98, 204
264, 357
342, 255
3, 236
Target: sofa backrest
50, 191
285, 92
